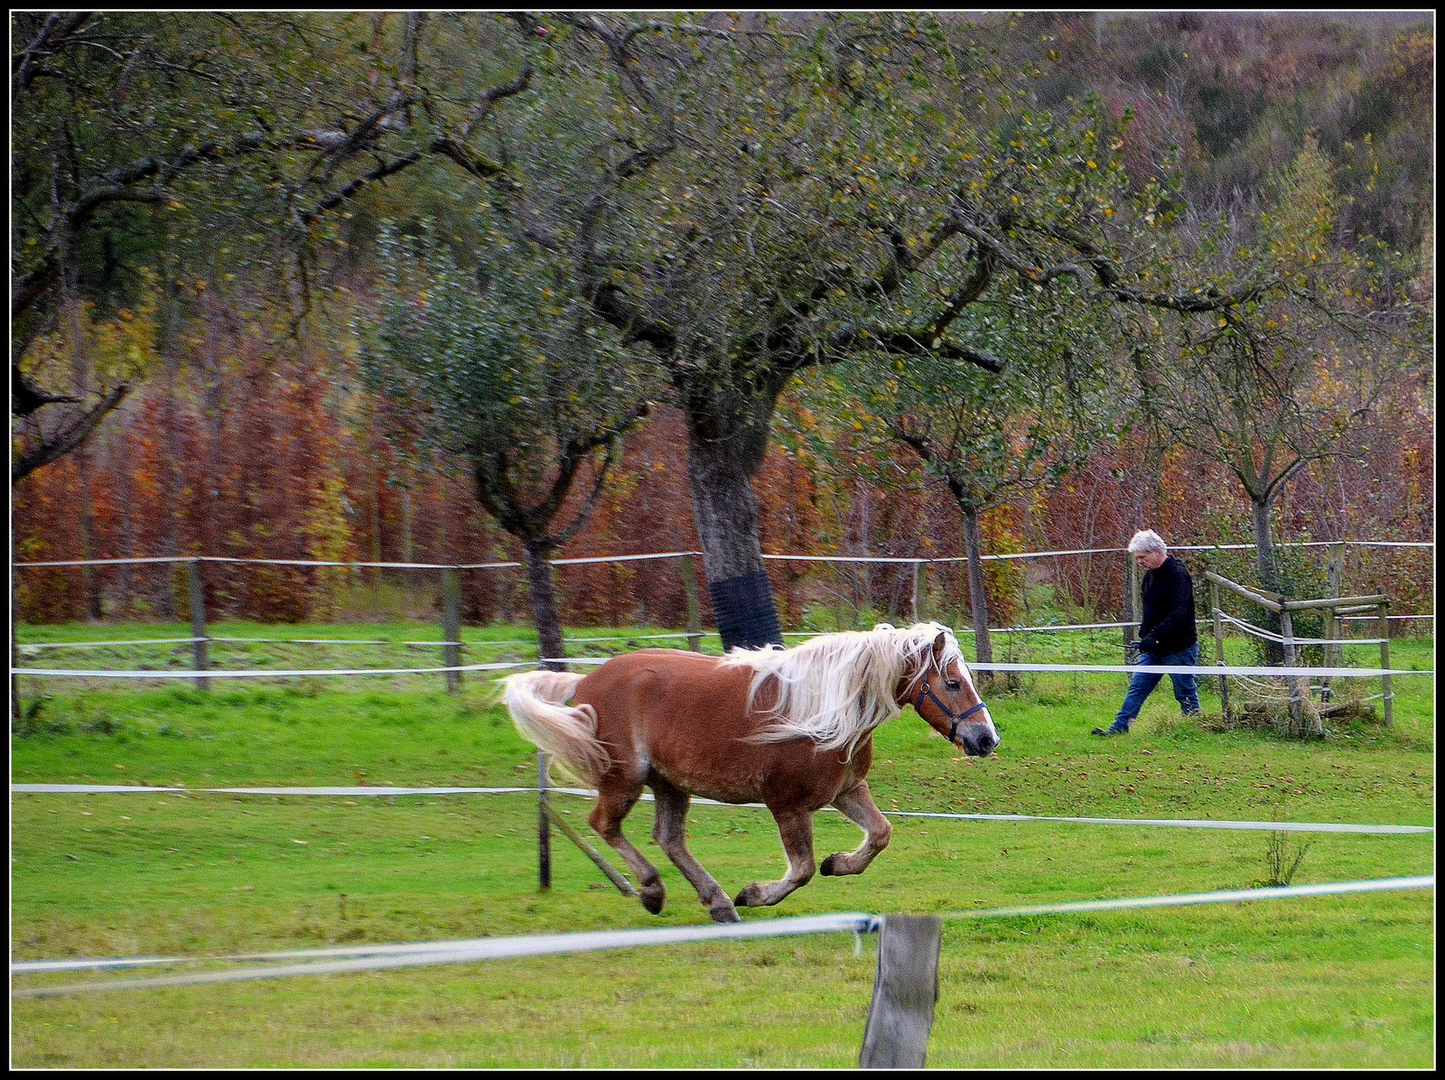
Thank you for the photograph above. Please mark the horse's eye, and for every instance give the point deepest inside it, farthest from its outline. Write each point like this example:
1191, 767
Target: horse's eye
953, 684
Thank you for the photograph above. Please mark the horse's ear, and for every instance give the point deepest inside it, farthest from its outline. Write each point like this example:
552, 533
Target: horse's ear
939, 644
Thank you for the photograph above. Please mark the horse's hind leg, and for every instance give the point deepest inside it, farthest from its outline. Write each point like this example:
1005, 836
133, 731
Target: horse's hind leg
858, 807
613, 802
796, 829
669, 829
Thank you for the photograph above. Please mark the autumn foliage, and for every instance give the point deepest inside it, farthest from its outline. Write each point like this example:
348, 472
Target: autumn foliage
250, 455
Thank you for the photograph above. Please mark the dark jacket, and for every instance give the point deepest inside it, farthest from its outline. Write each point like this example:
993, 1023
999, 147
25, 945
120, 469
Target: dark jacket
1168, 622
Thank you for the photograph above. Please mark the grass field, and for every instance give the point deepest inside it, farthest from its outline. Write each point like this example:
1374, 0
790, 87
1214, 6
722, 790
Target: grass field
1331, 981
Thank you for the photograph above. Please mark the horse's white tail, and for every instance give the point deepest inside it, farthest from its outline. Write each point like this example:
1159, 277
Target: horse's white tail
537, 702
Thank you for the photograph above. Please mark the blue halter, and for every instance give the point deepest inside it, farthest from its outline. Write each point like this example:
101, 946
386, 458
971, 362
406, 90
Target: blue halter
924, 690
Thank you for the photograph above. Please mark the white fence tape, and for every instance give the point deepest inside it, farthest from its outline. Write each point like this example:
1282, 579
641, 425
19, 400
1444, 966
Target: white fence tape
358, 565
1224, 896
675, 554
1181, 823
280, 673
370, 958
277, 673
373, 791
1202, 670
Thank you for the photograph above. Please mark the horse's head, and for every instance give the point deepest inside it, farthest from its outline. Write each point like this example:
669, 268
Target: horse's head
944, 695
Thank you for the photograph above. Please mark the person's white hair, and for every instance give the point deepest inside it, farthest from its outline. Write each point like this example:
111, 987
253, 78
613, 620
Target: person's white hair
1147, 540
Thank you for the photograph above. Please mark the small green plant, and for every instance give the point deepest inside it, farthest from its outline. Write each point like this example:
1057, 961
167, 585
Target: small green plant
1277, 853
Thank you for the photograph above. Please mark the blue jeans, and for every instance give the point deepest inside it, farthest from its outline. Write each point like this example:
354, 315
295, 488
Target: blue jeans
1142, 683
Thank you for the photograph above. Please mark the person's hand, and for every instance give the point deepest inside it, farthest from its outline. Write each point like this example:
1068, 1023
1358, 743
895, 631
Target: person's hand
1131, 653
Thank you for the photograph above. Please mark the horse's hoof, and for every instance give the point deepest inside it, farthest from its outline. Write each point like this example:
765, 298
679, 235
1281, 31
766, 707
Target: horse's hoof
746, 898
827, 868
652, 900
724, 912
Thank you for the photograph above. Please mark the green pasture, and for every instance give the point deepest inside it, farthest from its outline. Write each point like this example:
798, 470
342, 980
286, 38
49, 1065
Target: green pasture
1332, 981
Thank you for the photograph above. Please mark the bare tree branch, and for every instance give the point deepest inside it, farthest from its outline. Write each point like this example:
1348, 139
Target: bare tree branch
75, 430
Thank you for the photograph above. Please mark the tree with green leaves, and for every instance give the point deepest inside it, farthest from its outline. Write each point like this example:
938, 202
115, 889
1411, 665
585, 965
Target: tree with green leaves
499, 364
745, 198
1290, 378
171, 152
988, 436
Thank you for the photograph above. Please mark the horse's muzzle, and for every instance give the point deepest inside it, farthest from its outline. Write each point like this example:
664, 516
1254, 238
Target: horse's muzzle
978, 746
978, 743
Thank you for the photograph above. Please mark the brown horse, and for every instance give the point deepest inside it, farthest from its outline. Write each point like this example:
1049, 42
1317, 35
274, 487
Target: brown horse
789, 728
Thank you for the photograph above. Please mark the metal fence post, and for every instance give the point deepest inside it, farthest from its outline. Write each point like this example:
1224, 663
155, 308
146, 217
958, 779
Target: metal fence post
199, 658
1334, 629
1131, 595
1131, 602
689, 595
904, 993
1219, 647
544, 826
1385, 686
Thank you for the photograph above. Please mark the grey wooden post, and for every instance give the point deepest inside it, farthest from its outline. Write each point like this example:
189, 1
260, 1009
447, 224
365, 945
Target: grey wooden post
689, 595
1219, 647
1286, 630
1299, 685
904, 993
1389, 702
199, 658
452, 626
920, 591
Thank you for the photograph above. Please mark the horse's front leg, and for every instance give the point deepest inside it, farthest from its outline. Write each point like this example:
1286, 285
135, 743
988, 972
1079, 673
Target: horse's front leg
796, 829
669, 829
858, 807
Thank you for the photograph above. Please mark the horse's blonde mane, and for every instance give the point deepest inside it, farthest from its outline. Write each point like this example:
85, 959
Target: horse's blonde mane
836, 688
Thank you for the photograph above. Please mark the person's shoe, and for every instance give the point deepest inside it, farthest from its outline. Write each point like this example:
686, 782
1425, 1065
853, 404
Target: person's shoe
1111, 730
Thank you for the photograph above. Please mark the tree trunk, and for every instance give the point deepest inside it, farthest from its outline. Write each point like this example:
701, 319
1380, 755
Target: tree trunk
726, 514
1264, 546
973, 549
536, 555
1268, 571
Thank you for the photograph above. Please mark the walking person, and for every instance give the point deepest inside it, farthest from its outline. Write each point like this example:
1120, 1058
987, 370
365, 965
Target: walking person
1166, 630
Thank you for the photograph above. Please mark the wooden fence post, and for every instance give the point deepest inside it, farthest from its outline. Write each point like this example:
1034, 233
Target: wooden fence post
452, 626
199, 658
689, 595
904, 993
920, 591
1300, 721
